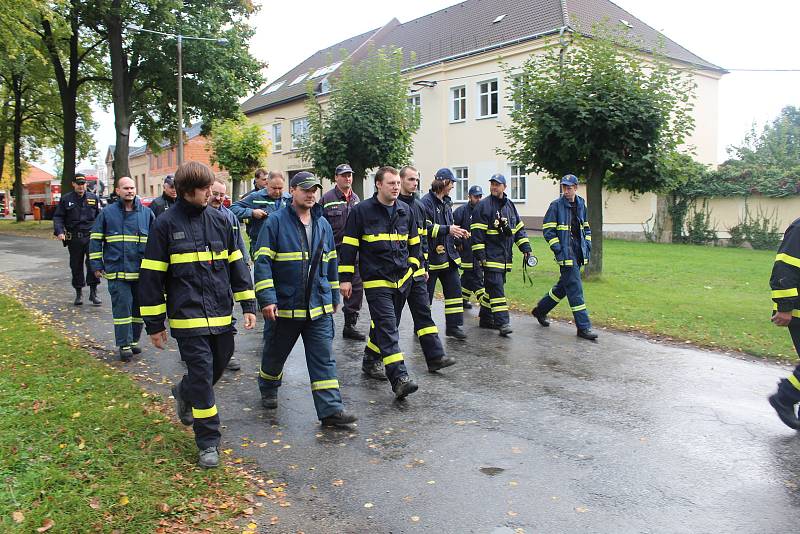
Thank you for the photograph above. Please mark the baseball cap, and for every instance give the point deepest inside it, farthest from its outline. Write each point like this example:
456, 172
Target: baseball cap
476, 190
79, 178
343, 168
305, 180
499, 178
169, 180
445, 174
569, 179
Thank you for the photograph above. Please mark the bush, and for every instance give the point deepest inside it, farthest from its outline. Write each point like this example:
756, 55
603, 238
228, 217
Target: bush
700, 229
760, 231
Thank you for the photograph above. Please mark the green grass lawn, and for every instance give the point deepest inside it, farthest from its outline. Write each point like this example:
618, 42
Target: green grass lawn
714, 296
27, 228
83, 447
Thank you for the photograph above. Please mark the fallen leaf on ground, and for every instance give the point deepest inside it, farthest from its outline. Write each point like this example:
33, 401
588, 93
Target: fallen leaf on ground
18, 517
47, 524
414, 518
123, 501
368, 505
338, 482
581, 509
94, 503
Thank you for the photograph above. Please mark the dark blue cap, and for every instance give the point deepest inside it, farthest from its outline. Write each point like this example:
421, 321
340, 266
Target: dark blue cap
305, 180
445, 174
569, 179
343, 168
476, 190
499, 178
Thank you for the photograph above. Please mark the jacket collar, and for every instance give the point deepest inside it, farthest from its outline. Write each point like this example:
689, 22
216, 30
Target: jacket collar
316, 211
188, 208
137, 203
400, 209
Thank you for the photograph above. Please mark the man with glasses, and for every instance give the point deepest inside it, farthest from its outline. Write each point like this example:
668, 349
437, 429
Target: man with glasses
217, 201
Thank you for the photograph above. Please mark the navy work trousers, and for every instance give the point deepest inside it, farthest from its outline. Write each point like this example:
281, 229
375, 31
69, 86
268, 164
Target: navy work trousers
280, 337
206, 358
494, 305
78, 248
569, 285
125, 310
385, 306
451, 287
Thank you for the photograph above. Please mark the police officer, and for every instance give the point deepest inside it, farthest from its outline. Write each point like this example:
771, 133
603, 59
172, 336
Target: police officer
257, 205
496, 228
443, 258
297, 285
383, 233
118, 240
72, 224
192, 273
337, 204
785, 281
217, 201
418, 300
566, 230
167, 198
471, 271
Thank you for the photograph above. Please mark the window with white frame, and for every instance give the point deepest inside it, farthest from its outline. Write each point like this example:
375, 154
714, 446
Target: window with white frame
414, 103
299, 132
458, 108
488, 99
277, 137
461, 189
518, 179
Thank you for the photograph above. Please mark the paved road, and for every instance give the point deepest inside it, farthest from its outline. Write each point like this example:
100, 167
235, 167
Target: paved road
541, 432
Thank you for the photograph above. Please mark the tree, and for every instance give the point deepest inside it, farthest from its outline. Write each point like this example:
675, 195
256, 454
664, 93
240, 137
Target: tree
365, 122
238, 147
144, 65
76, 57
604, 110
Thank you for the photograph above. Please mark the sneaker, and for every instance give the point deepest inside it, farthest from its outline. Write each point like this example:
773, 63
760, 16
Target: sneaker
182, 408
785, 411
587, 334
270, 402
340, 419
441, 363
233, 364
208, 458
125, 354
542, 318
456, 332
373, 369
404, 387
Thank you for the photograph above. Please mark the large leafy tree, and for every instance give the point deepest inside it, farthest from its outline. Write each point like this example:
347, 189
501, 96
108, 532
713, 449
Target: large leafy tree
604, 110
75, 55
144, 65
239, 147
365, 122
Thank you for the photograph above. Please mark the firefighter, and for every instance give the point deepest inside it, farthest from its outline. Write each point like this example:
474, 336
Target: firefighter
383, 233
337, 204
297, 286
443, 258
117, 244
192, 273
167, 198
785, 281
566, 230
254, 208
217, 201
72, 225
417, 300
496, 228
471, 272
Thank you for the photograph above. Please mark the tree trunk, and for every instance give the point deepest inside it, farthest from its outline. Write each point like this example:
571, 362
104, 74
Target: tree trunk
662, 225
236, 186
594, 201
121, 93
19, 207
4, 134
359, 175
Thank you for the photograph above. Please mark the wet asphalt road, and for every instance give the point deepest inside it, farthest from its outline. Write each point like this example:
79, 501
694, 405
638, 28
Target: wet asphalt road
541, 432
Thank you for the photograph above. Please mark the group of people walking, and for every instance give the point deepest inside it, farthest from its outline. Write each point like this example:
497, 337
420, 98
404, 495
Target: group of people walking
187, 267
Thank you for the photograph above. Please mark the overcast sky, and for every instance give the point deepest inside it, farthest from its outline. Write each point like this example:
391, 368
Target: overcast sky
734, 34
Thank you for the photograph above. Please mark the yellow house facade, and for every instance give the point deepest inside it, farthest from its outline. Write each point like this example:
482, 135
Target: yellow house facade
458, 83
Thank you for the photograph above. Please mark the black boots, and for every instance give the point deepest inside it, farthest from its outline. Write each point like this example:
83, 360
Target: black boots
467, 304
587, 334
93, 298
404, 387
441, 363
785, 409
349, 331
373, 369
456, 332
182, 408
542, 318
340, 419
125, 354
78, 296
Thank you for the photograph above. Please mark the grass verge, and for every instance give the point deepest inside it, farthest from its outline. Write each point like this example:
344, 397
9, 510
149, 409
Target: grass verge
713, 296
83, 448
43, 229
